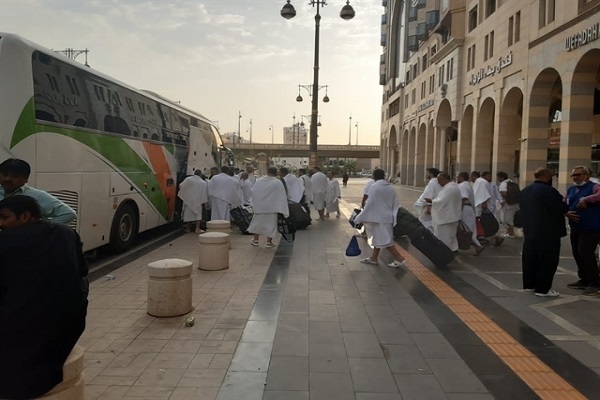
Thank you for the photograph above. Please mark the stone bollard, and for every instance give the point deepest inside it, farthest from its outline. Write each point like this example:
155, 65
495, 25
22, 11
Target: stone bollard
219, 225
72, 387
169, 287
213, 251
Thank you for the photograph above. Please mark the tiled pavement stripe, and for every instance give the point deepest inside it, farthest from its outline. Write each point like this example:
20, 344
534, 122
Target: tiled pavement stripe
247, 373
537, 375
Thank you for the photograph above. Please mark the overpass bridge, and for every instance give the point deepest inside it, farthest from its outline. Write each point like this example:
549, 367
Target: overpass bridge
302, 150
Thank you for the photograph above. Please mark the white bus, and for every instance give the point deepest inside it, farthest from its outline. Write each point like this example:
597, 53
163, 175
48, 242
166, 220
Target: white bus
115, 154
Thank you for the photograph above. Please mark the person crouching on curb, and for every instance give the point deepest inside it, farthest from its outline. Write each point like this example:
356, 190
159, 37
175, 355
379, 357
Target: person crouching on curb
379, 216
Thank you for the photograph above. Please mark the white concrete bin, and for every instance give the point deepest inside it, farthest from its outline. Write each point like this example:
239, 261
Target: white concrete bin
219, 225
72, 387
213, 253
169, 287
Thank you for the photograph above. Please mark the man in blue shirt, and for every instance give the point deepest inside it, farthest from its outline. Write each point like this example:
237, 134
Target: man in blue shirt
584, 219
14, 174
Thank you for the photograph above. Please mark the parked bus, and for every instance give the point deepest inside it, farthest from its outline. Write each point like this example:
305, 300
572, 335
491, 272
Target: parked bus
113, 153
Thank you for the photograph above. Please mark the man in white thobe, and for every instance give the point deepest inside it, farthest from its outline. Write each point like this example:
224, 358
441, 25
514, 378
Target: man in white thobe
251, 177
269, 198
319, 186
423, 203
379, 217
508, 210
446, 211
305, 179
292, 184
484, 199
193, 191
224, 192
246, 188
332, 199
468, 209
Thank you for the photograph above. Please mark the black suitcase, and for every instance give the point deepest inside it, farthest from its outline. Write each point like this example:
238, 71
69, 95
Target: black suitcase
406, 223
431, 247
242, 219
300, 215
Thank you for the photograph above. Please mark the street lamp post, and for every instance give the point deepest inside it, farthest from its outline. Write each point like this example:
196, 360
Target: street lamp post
288, 12
272, 134
239, 137
356, 133
350, 131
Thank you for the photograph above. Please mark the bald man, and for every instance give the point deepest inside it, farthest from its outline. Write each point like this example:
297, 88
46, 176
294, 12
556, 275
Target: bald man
543, 212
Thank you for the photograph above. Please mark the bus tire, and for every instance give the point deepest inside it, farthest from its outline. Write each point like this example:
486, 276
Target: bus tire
124, 228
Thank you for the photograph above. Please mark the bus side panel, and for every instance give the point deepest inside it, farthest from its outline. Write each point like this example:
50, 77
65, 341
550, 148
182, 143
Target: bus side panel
202, 152
95, 219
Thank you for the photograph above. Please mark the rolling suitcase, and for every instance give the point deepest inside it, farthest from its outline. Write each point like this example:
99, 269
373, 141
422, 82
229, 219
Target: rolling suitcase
406, 223
242, 219
299, 214
431, 247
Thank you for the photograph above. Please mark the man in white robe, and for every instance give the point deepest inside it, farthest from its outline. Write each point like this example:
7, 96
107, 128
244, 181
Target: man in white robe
224, 192
319, 186
269, 198
379, 217
468, 209
483, 199
305, 180
446, 211
193, 191
251, 177
423, 203
332, 199
246, 188
292, 184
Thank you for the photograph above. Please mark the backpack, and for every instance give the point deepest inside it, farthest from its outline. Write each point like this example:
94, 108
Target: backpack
512, 193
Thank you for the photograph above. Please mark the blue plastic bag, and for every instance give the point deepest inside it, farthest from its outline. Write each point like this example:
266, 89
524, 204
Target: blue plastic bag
353, 249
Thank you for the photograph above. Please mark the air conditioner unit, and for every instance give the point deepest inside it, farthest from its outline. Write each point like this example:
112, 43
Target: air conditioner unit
413, 43
422, 32
432, 18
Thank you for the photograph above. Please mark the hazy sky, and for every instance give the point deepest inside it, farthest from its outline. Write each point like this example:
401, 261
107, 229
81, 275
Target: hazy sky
219, 57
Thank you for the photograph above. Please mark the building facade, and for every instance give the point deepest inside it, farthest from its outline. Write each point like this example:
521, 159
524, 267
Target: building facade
490, 85
295, 134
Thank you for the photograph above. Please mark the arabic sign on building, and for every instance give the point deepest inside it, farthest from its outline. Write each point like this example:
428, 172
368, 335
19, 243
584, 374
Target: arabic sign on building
491, 69
582, 38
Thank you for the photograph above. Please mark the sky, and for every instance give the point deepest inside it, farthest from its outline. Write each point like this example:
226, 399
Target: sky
224, 57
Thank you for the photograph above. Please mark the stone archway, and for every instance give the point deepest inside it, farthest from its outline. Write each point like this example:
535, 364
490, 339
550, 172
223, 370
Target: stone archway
404, 159
545, 116
484, 136
509, 133
465, 142
392, 152
582, 117
443, 123
410, 157
429, 145
420, 155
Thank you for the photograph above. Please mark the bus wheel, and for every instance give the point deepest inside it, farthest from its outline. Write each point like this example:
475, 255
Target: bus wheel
124, 228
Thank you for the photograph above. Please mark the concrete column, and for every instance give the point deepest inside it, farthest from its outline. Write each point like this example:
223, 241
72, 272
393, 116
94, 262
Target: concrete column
169, 287
213, 252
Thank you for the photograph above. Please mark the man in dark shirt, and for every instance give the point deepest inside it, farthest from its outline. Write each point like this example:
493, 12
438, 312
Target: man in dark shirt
43, 298
543, 213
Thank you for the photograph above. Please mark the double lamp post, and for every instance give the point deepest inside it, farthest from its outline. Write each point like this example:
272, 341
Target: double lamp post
289, 12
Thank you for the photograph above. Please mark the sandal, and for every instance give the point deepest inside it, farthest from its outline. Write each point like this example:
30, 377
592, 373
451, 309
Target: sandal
270, 244
369, 261
254, 243
397, 264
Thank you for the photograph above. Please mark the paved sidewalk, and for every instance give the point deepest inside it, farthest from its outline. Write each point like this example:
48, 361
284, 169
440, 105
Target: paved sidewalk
303, 321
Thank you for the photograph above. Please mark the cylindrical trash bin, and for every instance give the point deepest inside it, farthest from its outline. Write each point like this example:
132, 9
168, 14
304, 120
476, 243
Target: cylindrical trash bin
219, 225
213, 253
169, 287
72, 386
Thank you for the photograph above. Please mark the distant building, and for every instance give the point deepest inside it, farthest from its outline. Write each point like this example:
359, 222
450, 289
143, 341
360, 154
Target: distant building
228, 138
493, 85
295, 134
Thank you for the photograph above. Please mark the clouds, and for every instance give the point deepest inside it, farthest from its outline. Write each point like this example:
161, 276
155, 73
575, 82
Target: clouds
221, 56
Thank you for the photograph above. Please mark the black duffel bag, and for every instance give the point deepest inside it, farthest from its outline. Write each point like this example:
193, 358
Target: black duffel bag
489, 223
